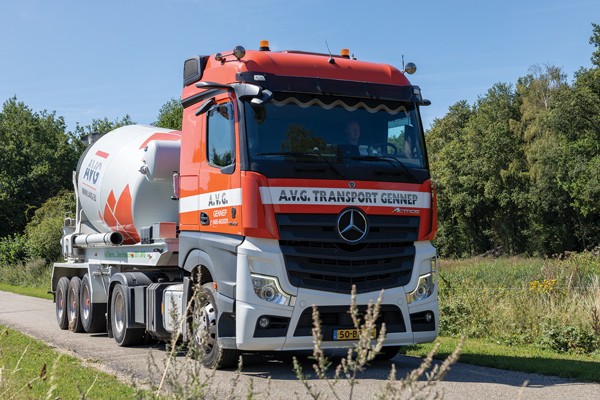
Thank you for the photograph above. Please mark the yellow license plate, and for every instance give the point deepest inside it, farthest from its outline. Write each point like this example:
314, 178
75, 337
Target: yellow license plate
350, 334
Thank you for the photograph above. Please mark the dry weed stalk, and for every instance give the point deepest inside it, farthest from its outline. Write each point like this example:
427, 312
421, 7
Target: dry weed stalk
365, 351
418, 389
190, 380
596, 307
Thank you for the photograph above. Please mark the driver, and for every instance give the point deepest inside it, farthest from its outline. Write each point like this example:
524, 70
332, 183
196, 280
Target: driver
349, 146
352, 132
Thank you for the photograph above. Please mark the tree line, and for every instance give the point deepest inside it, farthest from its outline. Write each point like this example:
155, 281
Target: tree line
518, 172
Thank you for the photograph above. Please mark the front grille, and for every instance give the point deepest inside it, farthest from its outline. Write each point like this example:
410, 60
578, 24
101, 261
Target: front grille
339, 317
317, 258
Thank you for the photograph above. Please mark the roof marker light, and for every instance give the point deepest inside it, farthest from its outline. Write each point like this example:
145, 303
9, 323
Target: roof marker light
264, 45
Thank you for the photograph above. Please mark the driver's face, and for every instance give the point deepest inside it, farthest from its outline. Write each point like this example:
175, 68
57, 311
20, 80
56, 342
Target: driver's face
353, 132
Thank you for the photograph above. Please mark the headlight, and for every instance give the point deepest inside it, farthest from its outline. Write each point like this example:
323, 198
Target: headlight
268, 289
425, 286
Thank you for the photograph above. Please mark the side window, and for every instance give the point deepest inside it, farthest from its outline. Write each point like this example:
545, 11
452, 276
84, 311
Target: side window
221, 135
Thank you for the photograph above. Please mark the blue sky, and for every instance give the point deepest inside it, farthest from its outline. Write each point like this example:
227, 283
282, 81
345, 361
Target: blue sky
108, 58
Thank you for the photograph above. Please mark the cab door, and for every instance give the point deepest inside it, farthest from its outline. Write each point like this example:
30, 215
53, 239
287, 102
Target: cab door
219, 178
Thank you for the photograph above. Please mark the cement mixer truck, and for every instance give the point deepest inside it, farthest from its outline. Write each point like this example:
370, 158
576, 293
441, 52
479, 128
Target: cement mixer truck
296, 178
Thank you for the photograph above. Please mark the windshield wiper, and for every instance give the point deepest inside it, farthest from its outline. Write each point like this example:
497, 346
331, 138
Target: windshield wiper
300, 154
387, 159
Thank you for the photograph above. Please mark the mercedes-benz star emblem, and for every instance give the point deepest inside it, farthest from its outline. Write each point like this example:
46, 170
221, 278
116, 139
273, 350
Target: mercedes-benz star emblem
352, 225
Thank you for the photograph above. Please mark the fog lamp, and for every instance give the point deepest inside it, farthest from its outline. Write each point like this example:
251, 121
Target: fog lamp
264, 322
428, 317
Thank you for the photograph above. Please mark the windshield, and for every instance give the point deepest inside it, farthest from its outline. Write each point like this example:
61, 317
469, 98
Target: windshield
343, 137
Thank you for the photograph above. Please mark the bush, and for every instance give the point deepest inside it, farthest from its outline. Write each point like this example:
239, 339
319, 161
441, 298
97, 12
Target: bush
12, 250
44, 231
567, 338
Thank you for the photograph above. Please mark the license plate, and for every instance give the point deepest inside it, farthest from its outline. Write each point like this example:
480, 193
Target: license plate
350, 334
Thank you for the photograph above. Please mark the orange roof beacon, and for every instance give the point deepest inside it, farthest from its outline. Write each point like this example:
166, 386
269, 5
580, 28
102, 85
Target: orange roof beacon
296, 179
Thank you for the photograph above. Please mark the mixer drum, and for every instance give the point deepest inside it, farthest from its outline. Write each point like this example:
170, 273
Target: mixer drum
117, 183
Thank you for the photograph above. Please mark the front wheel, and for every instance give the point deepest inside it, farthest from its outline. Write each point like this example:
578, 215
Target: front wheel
387, 353
206, 335
119, 313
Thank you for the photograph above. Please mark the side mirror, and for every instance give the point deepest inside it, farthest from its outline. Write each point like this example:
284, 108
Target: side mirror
258, 102
204, 107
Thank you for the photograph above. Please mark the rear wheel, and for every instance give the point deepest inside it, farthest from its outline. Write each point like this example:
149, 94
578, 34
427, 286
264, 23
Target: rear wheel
73, 305
119, 314
61, 302
206, 336
93, 316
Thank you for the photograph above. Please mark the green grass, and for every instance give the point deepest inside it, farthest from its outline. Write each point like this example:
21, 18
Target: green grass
27, 291
22, 360
515, 358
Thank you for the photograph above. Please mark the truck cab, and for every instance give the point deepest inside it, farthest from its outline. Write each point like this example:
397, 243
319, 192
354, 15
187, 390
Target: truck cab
303, 176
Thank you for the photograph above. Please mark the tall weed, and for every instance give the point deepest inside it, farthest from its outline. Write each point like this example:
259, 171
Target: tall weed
551, 302
182, 380
33, 273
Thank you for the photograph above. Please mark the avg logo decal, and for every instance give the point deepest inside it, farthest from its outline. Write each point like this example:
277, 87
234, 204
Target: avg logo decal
117, 215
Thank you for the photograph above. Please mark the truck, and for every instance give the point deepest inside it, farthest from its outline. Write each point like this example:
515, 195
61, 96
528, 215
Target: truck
296, 179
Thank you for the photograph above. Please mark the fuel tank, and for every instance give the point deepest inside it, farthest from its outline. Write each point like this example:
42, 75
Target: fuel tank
124, 180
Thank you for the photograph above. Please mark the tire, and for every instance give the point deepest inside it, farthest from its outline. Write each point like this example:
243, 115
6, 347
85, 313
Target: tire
73, 305
92, 315
61, 303
204, 322
387, 353
119, 314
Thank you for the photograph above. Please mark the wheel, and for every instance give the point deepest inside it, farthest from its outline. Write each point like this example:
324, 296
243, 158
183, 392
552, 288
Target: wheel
73, 305
205, 334
385, 146
387, 353
61, 302
119, 313
148, 340
92, 315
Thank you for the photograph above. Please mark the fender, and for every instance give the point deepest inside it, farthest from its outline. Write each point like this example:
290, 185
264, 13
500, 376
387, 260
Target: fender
225, 303
225, 295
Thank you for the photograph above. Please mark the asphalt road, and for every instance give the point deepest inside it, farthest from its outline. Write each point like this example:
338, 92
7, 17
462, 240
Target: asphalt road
36, 318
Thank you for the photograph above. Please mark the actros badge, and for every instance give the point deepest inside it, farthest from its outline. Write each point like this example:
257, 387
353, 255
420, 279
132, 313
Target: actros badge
352, 225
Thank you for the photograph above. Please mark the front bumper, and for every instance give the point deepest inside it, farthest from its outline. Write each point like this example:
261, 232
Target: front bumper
249, 309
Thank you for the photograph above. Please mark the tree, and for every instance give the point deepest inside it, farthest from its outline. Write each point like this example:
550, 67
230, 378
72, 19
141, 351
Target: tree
595, 40
103, 125
170, 115
575, 120
477, 170
37, 158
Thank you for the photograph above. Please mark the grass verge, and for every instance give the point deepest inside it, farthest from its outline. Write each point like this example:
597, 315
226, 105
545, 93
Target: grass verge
31, 369
27, 291
530, 359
